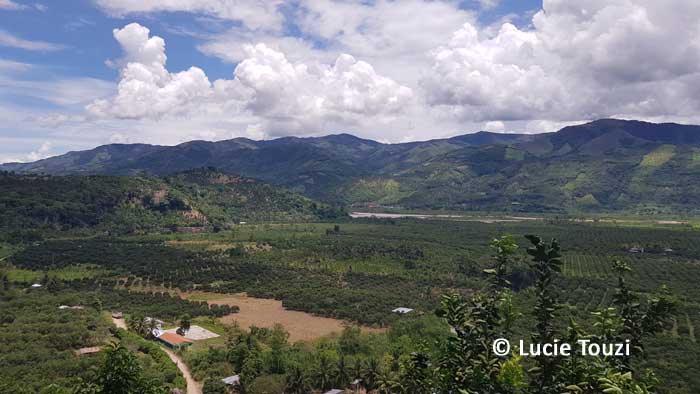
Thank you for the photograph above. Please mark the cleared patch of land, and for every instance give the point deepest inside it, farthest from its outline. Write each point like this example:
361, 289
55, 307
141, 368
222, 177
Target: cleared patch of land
262, 312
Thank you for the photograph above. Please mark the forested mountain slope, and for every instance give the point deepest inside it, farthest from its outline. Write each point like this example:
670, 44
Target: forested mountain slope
201, 198
602, 166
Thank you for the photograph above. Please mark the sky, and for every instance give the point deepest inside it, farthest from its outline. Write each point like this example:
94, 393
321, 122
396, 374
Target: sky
82, 73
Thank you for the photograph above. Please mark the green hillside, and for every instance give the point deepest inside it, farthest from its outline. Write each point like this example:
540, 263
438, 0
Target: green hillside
603, 166
196, 199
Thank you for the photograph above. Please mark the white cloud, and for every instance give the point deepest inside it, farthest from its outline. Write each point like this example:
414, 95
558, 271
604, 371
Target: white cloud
146, 88
581, 60
284, 96
61, 92
305, 96
11, 65
10, 40
42, 152
254, 14
11, 5
495, 126
488, 4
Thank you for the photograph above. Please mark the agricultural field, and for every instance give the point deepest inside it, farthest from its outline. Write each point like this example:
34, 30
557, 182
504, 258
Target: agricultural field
301, 288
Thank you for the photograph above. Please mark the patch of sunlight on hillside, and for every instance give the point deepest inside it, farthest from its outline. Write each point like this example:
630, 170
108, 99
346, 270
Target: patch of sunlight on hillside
572, 185
514, 154
658, 156
383, 191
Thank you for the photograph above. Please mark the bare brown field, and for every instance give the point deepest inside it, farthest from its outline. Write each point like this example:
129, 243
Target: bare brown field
263, 312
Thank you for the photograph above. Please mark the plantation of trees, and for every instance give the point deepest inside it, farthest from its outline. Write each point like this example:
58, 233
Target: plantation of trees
359, 270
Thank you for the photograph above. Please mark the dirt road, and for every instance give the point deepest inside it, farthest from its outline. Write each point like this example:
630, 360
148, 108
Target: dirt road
193, 386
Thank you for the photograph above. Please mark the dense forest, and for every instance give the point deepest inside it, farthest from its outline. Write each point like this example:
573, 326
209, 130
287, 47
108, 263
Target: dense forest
197, 200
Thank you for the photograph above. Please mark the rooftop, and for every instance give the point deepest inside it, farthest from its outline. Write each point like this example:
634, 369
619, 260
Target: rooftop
232, 380
173, 339
88, 350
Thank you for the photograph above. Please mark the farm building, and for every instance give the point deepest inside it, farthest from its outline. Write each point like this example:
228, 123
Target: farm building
36, 285
234, 380
174, 341
88, 351
334, 391
402, 311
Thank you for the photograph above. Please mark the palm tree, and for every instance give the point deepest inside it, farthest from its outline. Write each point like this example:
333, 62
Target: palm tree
296, 382
357, 369
324, 373
371, 374
342, 377
387, 382
136, 324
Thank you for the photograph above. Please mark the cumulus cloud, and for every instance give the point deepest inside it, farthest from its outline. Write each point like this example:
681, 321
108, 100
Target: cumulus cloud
580, 60
146, 88
495, 78
284, 95
280, 90
43, 152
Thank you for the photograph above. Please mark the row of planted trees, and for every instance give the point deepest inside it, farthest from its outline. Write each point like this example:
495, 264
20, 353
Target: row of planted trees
461, 361
467, 363
464, 362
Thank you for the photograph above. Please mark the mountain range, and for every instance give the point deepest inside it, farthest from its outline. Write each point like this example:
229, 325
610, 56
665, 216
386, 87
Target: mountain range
608, 165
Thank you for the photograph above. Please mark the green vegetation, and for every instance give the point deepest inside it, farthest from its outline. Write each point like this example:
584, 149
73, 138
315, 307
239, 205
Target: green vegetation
192, 201
362, 269
135, 244
609, 165
40, 341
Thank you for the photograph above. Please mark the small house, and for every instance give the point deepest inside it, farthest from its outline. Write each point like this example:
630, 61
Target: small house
36, 286
117, 315
174, 341
402, 310
86, 351
334, 391
234, 380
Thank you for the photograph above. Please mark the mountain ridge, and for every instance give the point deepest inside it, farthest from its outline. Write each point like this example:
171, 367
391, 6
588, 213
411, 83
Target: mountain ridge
604, 165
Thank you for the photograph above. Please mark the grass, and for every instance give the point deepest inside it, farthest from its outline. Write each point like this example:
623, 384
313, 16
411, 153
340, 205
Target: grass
658, 156
6, 250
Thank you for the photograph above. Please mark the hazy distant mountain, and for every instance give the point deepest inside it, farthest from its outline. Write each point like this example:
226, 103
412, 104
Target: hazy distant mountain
606, 165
